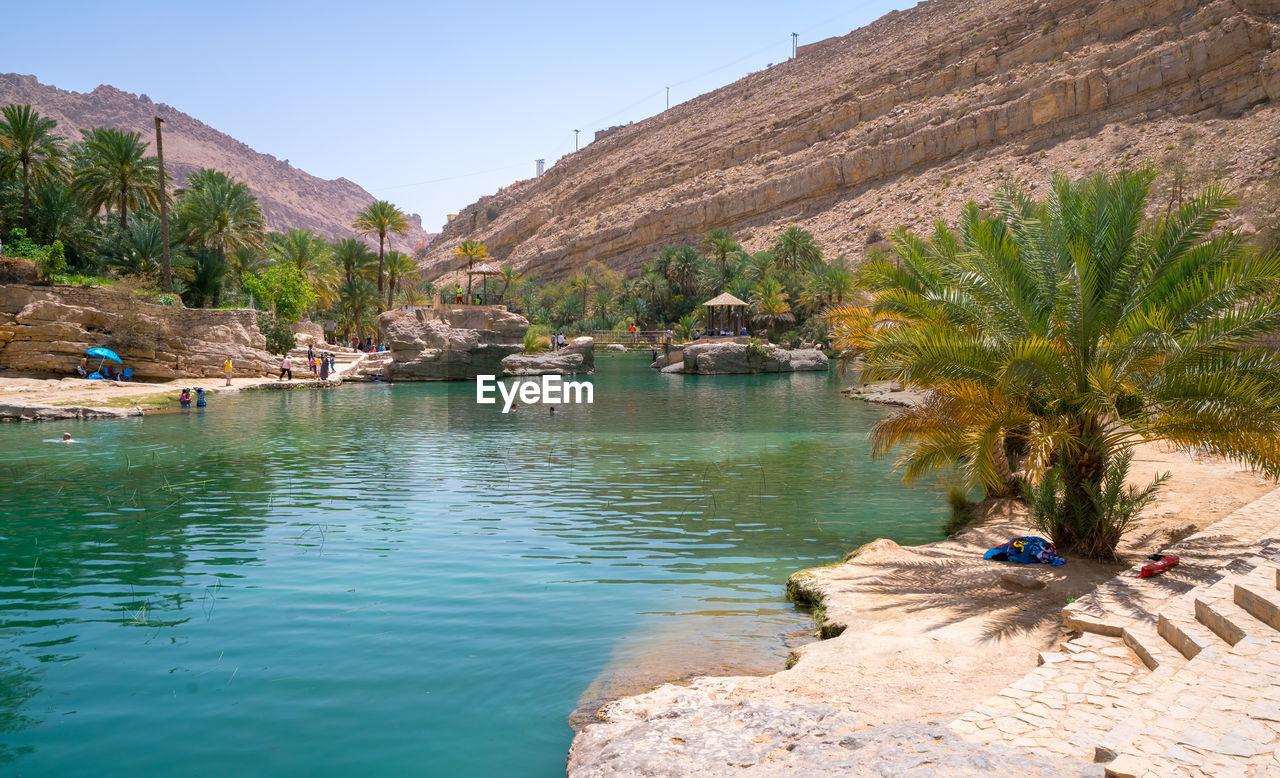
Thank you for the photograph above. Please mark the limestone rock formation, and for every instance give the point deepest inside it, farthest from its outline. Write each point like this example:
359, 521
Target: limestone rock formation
309, 334
579, 356
722, 357
900, 122
455, 344
16, 270
290, 198
46, 329
13, 411
766, 740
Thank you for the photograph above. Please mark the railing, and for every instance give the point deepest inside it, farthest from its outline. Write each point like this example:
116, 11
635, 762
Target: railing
637, 339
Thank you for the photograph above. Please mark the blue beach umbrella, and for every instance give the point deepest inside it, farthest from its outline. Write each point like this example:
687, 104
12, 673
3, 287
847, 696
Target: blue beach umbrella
103, 355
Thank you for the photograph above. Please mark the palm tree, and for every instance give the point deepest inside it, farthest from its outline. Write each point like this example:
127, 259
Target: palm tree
510, 276
720, 245
139, 251
381, 218
301, 248
1055, 335
684, 268
112, 170
353, 257
795, 249
58, 216
759, 266
219, 212
769, 305
354, 298
398, 266
580, 287
828, 285
205, 272
27, 144
415, 291
472, 252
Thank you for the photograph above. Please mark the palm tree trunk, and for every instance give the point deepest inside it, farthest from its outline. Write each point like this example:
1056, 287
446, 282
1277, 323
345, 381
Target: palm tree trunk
124, 208
382, 236
26, 196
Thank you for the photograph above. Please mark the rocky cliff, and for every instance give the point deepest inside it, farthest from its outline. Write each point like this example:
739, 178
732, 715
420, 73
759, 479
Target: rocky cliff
46, 330
903, 120
290, 197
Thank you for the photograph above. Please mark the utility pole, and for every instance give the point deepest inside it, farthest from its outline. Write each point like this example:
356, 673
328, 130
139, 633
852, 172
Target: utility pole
795, 40
668, 98
166, 272
575, 139
538, 163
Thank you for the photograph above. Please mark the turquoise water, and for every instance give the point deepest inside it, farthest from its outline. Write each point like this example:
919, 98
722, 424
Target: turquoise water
395, 581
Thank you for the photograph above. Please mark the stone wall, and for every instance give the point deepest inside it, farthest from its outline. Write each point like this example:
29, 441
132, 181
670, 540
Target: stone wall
46, 329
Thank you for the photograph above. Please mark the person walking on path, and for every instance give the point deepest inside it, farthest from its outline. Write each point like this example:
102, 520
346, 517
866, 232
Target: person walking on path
227, 369
286, 366
324, 367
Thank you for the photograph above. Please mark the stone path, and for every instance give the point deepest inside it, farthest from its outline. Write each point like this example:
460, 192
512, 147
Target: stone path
1173, 676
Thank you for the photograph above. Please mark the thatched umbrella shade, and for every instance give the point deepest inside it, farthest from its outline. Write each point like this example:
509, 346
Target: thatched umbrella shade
732, 312
483, 269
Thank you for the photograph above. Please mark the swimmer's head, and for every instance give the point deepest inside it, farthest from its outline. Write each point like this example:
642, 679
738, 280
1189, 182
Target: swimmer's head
66, 436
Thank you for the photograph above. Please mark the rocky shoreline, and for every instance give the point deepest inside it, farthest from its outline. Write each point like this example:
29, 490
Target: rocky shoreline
915, 637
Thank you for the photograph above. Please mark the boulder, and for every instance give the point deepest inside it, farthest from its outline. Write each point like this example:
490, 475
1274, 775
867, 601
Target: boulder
616, 347
46, 330
451, 345
579, 356
16, 270
309, 334
726, 357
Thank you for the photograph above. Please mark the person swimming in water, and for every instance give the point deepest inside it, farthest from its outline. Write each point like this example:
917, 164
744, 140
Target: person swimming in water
66, 438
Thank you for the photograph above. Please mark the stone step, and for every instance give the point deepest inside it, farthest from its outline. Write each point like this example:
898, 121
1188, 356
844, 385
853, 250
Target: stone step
1151, 647
1226, 619
1186, 634
1263, 605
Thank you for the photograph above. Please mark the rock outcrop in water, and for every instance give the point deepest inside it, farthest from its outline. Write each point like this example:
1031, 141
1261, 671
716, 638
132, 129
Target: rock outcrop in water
579, 356
46, 330
455, 343
902, 121
728, 357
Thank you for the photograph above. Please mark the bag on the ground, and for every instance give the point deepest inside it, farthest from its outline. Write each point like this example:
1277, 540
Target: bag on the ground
1027, 551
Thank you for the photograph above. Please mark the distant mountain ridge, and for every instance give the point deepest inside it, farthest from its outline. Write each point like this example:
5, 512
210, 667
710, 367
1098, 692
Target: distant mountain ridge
290, 197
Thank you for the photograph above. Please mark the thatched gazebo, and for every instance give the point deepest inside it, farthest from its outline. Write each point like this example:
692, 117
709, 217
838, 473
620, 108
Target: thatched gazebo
728, 312
483, 270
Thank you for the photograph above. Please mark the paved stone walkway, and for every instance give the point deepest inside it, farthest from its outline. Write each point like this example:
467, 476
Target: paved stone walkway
1173, 676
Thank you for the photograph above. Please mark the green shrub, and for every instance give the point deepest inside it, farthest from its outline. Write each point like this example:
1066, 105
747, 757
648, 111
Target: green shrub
1094, 521
962, 512
280, 335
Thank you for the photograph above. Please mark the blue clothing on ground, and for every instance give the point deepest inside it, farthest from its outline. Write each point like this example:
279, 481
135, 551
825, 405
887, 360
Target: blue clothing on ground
1027, 551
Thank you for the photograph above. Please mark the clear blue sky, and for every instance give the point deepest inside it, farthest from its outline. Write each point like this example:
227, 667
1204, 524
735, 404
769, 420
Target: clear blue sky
430, 105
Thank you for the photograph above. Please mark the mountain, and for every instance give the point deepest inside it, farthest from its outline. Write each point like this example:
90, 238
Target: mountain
902, 121
290, 198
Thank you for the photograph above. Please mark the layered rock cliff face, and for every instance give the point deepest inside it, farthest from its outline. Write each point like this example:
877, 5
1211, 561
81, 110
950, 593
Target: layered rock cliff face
289, 197
46, 330
900, 122
455, 344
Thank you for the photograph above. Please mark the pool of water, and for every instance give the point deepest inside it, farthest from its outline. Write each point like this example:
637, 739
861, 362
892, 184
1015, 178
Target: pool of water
395, 581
